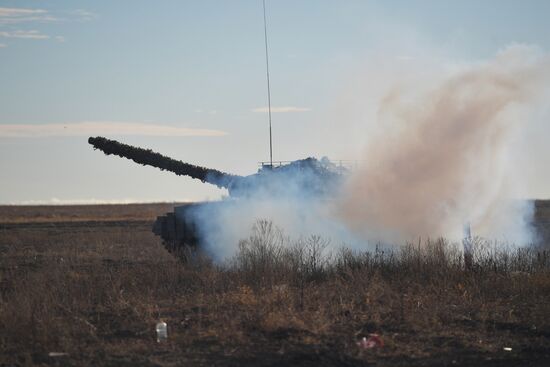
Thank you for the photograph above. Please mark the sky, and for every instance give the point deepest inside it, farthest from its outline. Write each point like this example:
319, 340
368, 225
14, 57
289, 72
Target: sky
187, 79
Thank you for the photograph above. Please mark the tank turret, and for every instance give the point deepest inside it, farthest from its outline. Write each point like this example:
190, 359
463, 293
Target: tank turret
297, 179
309, 176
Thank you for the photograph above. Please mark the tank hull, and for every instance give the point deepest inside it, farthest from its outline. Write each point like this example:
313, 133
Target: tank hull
179, 230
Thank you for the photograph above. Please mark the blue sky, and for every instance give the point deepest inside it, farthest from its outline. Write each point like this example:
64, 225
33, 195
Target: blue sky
187, 78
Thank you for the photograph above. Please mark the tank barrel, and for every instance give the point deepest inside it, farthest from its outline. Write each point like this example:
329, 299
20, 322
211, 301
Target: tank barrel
147, 157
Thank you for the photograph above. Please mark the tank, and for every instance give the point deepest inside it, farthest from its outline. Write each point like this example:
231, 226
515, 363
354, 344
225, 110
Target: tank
178, 230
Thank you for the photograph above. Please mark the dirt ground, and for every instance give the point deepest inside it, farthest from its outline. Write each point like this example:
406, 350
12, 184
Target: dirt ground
90, 282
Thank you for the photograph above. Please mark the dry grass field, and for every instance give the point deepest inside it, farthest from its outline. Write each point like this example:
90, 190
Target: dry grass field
91, 282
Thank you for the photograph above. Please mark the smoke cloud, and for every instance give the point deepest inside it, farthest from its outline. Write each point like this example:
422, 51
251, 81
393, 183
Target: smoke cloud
438, 156
298, 198
441, 158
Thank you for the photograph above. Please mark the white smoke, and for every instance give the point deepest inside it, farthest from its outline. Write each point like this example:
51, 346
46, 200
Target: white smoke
438, 156
289, 199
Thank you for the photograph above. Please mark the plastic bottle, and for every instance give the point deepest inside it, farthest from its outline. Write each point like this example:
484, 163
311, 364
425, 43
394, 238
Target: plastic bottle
162, 331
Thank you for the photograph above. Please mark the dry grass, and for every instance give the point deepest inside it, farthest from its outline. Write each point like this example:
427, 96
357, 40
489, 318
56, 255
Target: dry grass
96, 293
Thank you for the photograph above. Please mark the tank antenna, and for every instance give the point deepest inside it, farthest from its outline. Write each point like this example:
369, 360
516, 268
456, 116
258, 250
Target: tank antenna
268, 91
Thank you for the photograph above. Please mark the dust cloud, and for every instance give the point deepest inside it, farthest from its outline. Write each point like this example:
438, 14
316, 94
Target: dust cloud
438, 155
442, 157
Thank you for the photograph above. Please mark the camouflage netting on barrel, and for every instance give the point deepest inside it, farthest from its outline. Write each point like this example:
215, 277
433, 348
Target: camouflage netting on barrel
147, 157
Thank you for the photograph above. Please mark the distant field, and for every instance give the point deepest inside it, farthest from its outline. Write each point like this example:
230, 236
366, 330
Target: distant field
69, 213
92, 281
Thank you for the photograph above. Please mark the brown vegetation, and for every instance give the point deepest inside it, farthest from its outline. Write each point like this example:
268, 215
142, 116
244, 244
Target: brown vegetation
77, 213
94, 291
